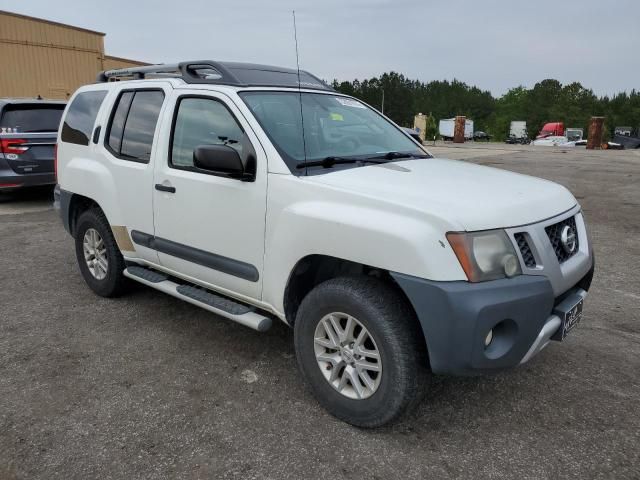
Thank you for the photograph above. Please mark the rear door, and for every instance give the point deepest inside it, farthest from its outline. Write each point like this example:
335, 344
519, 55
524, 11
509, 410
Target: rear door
33, 127
127, 144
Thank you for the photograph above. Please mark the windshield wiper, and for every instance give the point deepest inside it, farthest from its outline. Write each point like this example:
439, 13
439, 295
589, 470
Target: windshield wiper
329, 162
396, 156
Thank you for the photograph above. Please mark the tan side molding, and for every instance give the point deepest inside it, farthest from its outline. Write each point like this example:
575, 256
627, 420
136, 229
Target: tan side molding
123, 240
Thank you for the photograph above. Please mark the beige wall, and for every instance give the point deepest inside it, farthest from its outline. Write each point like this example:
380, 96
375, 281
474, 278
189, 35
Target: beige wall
111, 63
49, 59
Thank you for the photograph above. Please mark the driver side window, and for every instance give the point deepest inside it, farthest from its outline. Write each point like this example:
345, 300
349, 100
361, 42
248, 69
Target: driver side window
201, 121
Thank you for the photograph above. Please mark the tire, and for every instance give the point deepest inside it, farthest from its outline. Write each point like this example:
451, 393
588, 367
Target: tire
114, 282
394, 331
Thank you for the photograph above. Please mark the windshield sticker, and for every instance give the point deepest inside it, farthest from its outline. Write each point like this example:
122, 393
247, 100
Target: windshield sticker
348, 102
337, 117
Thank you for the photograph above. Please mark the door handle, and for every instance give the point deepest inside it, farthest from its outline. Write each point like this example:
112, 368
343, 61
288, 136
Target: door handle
96, 134
165, 188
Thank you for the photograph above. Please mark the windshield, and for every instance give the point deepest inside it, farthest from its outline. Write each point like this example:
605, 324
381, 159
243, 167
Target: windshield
334, 126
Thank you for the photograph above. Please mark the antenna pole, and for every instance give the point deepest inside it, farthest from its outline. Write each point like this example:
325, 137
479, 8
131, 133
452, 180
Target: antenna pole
295, 36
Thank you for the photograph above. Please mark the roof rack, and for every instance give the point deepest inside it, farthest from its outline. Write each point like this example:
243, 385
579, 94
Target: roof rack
220, 73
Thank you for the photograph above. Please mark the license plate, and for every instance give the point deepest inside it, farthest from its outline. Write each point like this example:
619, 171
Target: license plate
569, 318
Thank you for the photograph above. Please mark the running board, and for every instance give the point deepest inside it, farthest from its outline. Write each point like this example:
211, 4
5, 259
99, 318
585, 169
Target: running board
223, 306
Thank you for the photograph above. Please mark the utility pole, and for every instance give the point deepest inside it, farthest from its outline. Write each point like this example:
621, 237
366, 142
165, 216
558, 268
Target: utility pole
383, 101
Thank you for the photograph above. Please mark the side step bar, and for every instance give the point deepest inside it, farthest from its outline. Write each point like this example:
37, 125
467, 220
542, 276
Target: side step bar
223, 306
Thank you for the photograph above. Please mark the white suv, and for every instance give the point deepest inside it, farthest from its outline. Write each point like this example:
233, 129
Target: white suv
258, 192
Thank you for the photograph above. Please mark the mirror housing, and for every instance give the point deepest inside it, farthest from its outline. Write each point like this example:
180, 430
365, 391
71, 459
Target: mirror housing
221, 160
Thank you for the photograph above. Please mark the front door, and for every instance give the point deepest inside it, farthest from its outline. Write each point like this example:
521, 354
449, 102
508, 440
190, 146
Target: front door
209, 227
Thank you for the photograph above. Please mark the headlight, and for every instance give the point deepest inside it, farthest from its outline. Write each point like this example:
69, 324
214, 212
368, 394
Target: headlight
485, 255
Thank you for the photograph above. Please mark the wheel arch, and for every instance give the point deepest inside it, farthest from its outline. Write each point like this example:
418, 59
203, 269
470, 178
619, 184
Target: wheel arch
314, 269
77, 204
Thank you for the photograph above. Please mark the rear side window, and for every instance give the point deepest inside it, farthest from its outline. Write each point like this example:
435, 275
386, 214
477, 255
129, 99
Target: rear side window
81, 116
32, 118
133, 124
117, 123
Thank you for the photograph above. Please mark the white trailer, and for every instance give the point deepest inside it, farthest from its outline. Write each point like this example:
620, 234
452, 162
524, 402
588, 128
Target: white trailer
518, 129
447, 127
574, 134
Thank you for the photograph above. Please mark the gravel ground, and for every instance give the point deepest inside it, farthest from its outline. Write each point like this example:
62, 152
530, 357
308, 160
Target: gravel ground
146, 386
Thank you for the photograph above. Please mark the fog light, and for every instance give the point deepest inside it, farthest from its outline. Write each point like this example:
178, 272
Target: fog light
488, 338
510, 265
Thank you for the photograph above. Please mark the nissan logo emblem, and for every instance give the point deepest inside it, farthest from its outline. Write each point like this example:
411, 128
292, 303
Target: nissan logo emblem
568, 239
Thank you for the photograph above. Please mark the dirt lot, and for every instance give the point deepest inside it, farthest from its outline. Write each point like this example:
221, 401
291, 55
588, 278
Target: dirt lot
147, 386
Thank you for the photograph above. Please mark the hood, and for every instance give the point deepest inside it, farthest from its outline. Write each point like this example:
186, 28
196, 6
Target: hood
473, 196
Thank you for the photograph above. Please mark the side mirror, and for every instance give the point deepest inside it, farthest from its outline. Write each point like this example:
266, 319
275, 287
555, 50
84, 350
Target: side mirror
222, 160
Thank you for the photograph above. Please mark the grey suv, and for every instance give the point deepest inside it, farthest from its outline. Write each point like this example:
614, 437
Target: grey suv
28, 131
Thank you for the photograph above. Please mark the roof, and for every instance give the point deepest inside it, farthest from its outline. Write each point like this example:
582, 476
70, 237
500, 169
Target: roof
27, 101
50, 22
223, 73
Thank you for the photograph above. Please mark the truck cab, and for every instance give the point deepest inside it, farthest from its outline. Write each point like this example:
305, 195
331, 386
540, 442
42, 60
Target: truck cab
552, 129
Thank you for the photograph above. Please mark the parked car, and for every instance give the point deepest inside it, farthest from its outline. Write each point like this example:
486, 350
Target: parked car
625, 137
552, 141
258, 194
615, 146
28, 129
480, 135
623, 131
413, 134
559, 141
626, 142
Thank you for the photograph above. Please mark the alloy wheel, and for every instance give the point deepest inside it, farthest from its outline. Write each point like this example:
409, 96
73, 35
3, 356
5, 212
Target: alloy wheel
347, 355
95, 254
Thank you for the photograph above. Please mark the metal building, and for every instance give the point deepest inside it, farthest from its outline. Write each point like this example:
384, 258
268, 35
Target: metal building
50, 59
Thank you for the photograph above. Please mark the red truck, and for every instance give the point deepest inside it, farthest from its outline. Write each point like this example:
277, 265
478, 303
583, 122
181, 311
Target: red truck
553, 129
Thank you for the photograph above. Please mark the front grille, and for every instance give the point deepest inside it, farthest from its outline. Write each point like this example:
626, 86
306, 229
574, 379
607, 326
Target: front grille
554, 232
525, 250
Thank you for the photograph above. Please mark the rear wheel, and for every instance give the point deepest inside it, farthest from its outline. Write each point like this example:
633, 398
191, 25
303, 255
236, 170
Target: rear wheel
359, 347
99, 258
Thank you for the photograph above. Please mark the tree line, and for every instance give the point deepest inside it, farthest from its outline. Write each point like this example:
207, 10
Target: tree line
548, 101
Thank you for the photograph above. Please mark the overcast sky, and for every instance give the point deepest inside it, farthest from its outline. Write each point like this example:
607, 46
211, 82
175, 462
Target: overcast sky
493, 44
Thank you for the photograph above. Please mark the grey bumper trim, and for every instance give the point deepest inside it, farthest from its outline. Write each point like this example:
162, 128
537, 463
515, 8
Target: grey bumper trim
544, 337
521, 312
551, 326
457, 316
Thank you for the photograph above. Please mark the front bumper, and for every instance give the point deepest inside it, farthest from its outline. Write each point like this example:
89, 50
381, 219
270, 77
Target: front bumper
553, 323
457, 316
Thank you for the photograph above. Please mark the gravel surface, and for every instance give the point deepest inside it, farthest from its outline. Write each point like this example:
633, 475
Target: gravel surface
146, 386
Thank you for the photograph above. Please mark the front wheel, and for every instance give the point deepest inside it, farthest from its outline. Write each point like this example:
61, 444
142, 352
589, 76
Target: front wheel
360, 348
